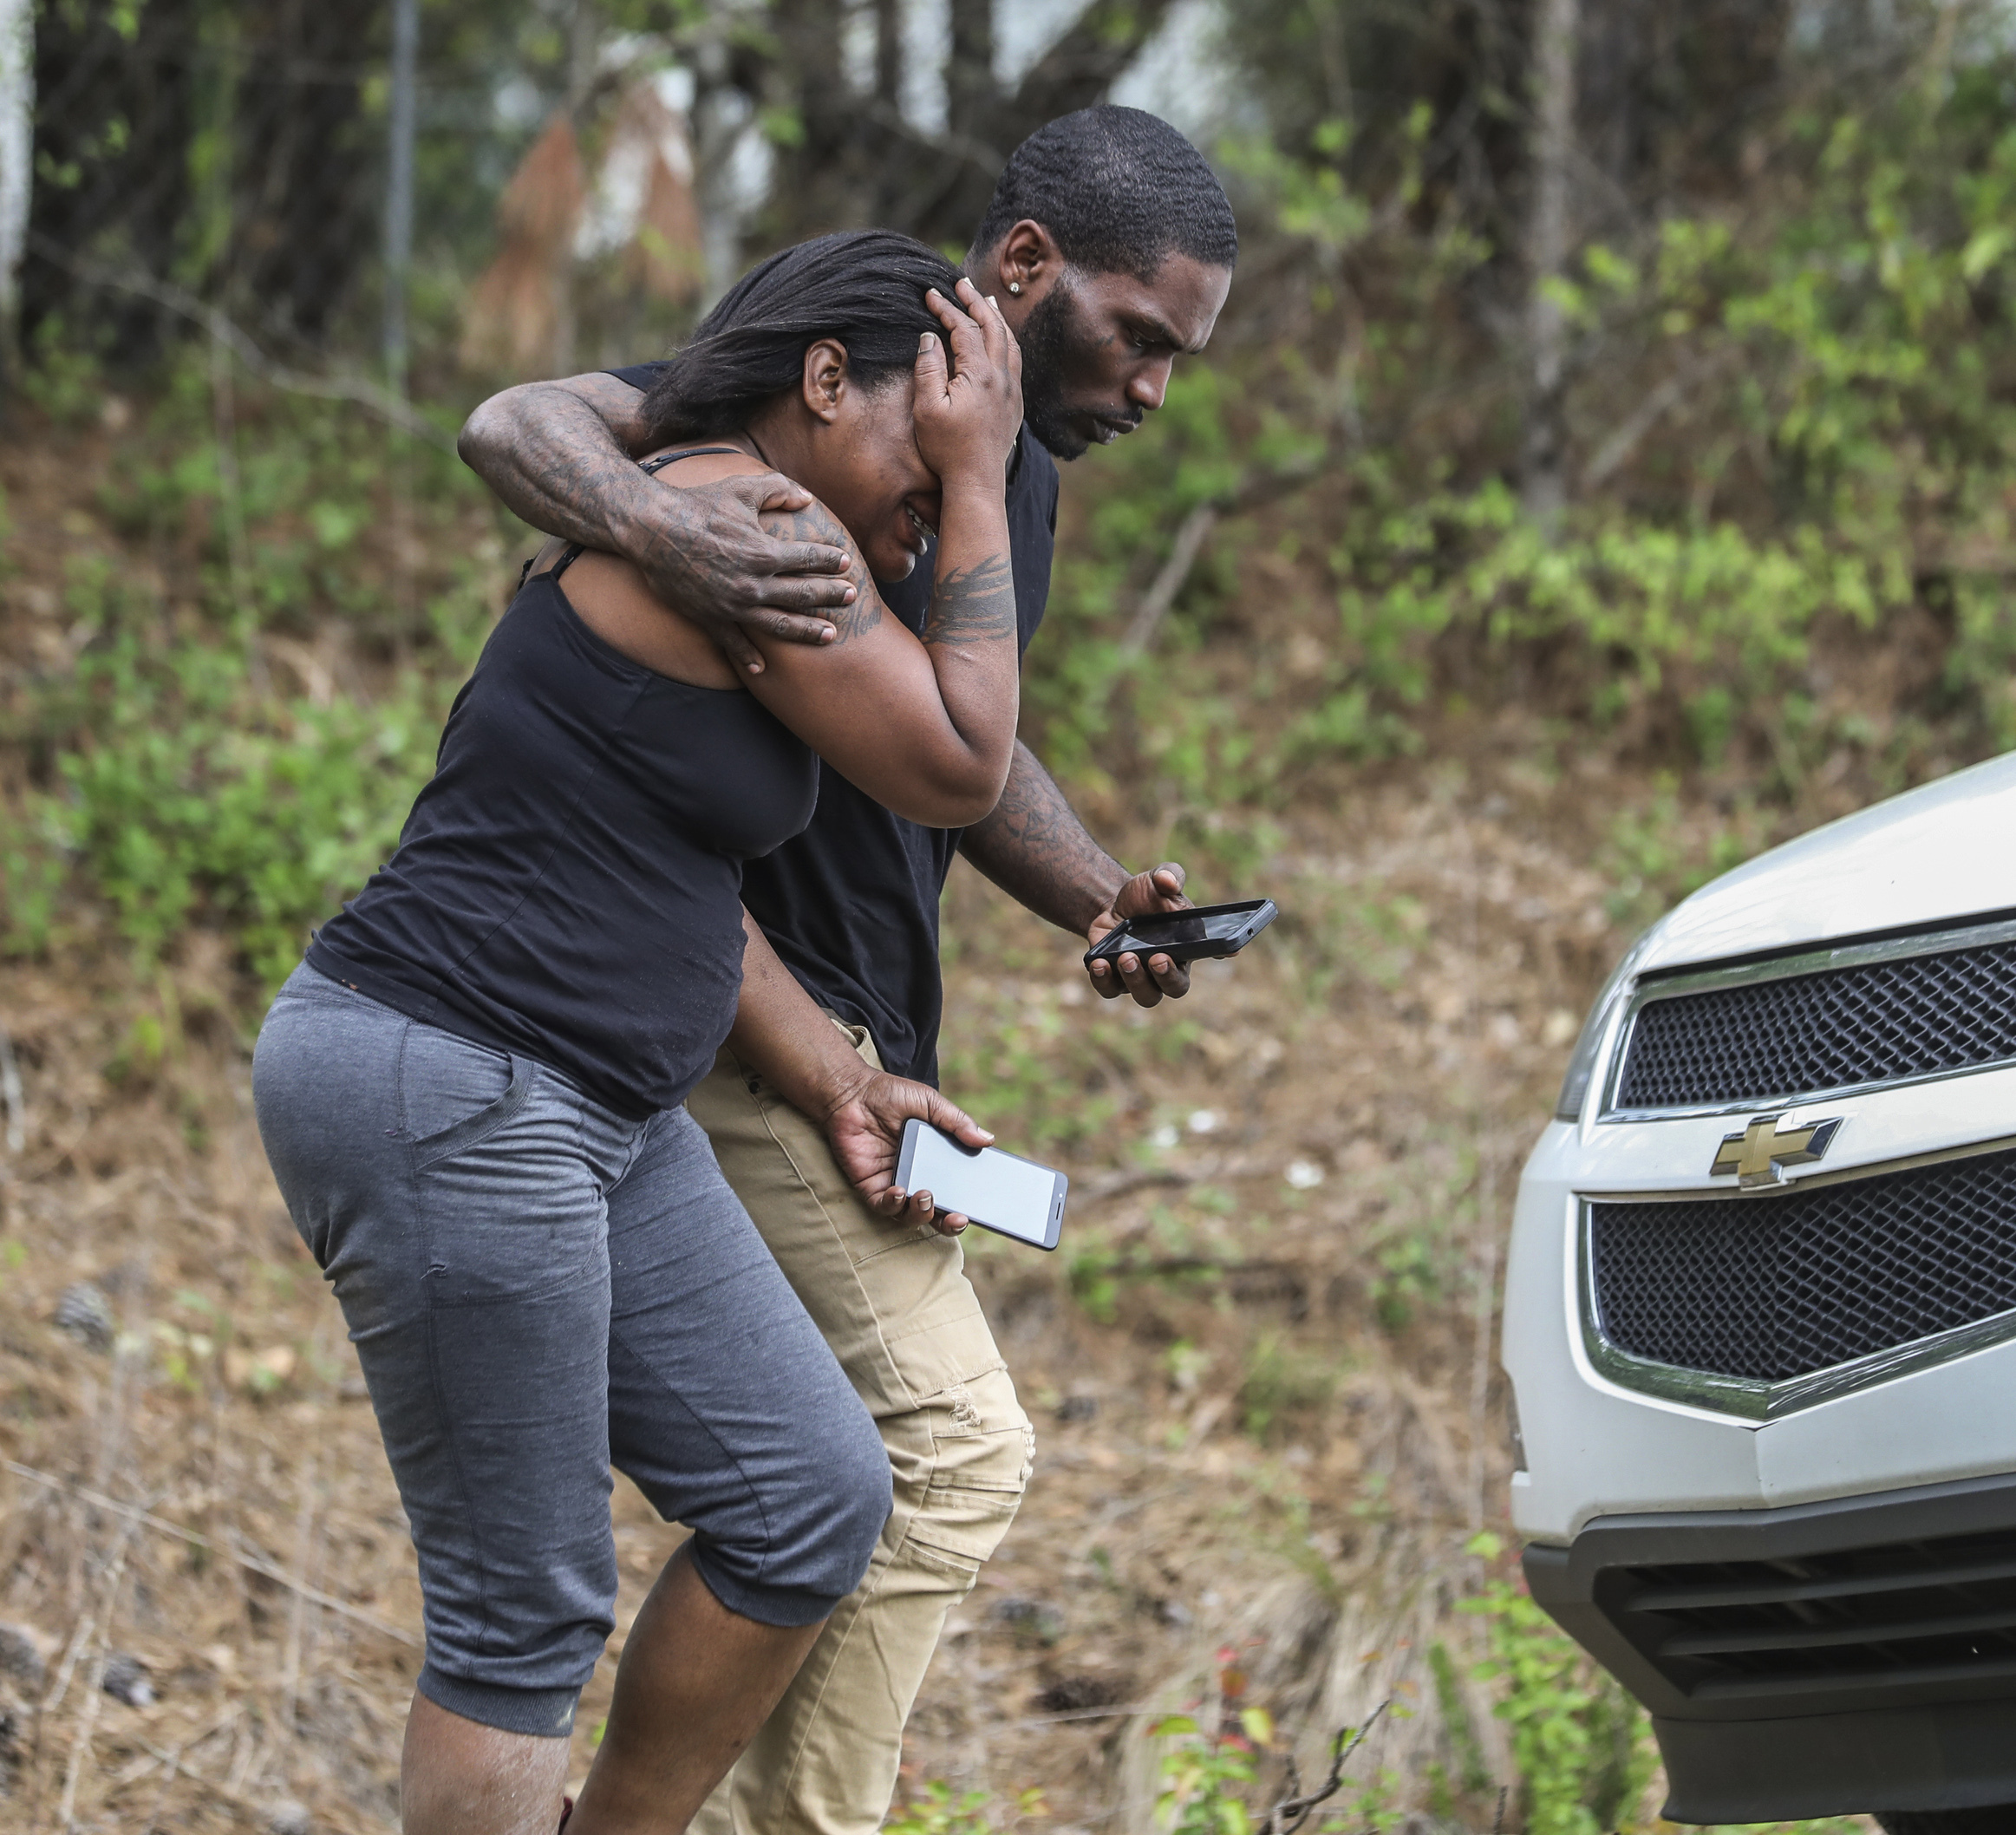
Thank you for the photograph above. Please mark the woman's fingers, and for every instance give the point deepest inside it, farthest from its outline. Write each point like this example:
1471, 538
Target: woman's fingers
968, 348
933, 379
994, 329
1003, 353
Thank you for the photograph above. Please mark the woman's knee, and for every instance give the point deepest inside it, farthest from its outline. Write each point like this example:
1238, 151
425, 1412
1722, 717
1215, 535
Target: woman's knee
797, 1542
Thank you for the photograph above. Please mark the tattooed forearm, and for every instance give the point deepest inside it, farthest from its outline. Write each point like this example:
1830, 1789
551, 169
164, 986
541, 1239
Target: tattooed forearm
974, 604
558, 458
1036, 849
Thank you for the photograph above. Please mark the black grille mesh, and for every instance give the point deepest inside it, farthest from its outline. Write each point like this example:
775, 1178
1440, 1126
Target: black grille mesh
1773, 1288
1824, 1031
1946, 1605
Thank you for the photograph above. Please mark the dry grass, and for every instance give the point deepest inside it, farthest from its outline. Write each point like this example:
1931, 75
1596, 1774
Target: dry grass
1267, 1409
1232, 1450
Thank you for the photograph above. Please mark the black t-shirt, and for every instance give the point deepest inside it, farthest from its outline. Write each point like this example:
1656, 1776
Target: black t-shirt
569, 884
851, 904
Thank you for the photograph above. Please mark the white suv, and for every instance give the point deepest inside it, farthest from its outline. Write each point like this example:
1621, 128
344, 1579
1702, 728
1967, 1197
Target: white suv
1760, 1321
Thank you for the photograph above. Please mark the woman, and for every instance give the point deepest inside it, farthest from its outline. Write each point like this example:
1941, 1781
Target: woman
470, 1091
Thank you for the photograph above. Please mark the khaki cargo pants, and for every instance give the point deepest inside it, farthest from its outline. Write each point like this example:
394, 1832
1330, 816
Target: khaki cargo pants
896, 1306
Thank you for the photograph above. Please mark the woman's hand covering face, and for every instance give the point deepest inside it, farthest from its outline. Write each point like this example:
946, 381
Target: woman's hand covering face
968, 413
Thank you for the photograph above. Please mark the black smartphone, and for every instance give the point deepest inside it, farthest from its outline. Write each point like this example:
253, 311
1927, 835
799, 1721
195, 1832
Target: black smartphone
1204, 929
1000, 1192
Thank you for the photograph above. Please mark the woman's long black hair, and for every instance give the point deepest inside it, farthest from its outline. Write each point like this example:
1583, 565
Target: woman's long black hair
863, 288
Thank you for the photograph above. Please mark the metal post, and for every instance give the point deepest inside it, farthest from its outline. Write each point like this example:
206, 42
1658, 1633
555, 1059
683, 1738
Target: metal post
398, 187
16, 162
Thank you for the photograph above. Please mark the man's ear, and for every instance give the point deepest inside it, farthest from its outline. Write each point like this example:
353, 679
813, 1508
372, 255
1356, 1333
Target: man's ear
824, 378
1027, 263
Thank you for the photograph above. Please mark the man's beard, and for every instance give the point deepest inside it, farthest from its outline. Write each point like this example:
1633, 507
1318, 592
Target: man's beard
1054, 344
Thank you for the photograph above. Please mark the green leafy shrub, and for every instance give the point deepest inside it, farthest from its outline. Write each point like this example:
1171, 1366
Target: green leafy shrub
179, 785
187, 795
1584, 1751
938, 1809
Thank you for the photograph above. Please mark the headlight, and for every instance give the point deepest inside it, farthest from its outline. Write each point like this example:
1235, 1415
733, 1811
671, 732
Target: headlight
1582, 1063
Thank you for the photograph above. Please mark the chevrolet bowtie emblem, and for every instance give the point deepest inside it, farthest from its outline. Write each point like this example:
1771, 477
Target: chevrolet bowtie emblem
1756, 1155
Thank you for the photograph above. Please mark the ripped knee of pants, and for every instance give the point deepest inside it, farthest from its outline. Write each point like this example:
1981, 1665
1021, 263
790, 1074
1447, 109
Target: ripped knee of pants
984, 1451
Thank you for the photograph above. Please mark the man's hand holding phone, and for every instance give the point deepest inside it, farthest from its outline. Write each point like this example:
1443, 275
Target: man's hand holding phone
1159, 888
865, 1130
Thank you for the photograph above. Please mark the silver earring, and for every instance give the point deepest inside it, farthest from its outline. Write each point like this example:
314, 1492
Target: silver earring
1014, 286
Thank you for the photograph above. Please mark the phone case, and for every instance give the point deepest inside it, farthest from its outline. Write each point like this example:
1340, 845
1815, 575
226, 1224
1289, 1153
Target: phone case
1260, 913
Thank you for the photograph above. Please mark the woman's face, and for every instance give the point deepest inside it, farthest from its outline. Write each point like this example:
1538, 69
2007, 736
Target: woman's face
859, 457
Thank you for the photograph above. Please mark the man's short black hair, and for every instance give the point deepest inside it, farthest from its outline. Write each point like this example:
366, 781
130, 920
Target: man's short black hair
1119, 190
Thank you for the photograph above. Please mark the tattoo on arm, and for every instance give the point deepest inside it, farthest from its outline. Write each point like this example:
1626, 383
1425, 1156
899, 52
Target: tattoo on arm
819, 523
974, 604
1035, 849
555, 454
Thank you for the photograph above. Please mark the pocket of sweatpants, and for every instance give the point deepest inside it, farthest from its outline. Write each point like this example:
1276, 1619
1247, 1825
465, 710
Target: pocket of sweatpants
454, 1093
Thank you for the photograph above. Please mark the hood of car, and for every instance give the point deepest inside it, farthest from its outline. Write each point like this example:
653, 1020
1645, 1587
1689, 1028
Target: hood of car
1943, 853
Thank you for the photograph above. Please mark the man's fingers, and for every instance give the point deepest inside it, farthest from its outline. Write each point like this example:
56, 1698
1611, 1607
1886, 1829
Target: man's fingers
954, 1121
791, 594
1140, 984
767, 491
736, 647
1172, 977
813, 557
788, 628
931, 372
1105, 982
1167, 880
994, 329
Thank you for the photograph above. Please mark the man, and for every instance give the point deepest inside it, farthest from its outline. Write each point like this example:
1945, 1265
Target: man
1109, 246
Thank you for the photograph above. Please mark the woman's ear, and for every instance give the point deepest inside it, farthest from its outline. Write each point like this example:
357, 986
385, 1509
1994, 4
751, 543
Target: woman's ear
824, 378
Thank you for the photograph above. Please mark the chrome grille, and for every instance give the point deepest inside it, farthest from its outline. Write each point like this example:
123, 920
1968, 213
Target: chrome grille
1873, 1022
1775, 1288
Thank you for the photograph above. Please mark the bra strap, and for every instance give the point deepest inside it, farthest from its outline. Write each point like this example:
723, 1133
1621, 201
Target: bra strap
690, 451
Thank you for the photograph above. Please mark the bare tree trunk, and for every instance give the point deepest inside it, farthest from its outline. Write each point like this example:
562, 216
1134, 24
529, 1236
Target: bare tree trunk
16, 158
1544, 460
399, 186
888, 51
584, 47
969, 70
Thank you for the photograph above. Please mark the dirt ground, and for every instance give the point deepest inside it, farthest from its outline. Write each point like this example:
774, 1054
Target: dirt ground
1262, 1366
1232, 1446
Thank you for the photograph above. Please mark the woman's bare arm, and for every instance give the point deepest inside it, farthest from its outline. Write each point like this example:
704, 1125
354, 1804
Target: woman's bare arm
927, 727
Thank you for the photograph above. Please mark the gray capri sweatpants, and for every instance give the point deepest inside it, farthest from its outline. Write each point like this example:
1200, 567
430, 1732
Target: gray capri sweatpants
540, 1289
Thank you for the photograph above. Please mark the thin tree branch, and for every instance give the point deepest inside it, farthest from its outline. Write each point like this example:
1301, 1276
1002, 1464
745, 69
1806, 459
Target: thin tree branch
1091, 56
1161, 594
1629, 433
184, 305
1296, 1809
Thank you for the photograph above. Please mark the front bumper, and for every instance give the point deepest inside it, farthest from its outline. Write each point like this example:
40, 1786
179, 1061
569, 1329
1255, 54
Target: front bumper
1830, 1658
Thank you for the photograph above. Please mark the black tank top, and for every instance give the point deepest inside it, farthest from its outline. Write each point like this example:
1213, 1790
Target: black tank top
569, 884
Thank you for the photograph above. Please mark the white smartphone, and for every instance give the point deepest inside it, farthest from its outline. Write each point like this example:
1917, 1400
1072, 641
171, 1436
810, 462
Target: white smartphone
1000, 1192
